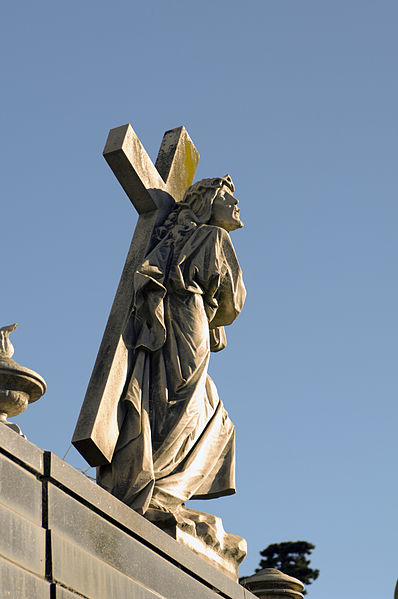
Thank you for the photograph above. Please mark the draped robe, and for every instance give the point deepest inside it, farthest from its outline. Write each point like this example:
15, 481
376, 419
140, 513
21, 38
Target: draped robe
176, 440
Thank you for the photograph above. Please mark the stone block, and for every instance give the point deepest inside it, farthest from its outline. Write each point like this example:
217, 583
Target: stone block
18, 447
62, 593
87, 575
124, 517
106, 542
17, 583
22, 541
20, 490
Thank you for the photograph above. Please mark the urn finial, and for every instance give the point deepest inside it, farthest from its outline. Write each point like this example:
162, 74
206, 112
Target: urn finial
6, 347
19, 386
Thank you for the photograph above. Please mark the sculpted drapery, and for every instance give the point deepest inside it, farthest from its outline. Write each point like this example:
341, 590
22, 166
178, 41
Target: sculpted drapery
176, 440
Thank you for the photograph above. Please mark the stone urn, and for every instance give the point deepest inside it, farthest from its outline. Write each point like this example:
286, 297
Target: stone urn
273, 584
19, 386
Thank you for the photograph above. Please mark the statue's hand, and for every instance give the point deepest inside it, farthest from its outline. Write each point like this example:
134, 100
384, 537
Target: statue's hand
218, 339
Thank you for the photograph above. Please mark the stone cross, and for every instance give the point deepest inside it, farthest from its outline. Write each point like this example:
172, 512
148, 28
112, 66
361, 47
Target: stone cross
151, 188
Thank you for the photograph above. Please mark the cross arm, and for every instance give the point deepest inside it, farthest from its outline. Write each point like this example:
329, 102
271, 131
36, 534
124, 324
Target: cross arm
132, 167
177, 161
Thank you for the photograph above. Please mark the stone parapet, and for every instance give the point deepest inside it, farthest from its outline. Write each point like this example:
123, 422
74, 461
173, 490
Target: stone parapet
63, 537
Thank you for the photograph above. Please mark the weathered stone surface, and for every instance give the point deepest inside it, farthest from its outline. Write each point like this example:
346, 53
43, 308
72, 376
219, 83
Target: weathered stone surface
22, 541
205, 535
99, 522
20, 448
165, 561
93, 578
62, 593
16, 583
118, 549
122, 516
20, 490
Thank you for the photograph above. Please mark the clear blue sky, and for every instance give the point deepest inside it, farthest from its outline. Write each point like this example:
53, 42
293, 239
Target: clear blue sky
297, 100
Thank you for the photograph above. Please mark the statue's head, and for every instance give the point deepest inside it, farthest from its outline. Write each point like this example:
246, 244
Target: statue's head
212, 201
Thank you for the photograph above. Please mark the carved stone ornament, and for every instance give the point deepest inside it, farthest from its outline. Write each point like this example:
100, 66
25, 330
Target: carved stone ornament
19, 386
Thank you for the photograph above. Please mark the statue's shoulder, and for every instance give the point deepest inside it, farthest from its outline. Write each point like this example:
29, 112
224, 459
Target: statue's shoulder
214, 232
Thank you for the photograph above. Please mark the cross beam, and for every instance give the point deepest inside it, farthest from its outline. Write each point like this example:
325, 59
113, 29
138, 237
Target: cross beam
151, 188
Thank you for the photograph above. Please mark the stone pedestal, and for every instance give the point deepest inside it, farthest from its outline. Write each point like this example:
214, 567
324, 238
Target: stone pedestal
204, 534
274, 584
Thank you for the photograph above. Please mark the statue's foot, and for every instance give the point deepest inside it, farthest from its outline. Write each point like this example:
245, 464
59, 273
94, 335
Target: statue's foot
202, 533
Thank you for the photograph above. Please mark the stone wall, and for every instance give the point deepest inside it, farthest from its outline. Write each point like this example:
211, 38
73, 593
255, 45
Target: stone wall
62, 537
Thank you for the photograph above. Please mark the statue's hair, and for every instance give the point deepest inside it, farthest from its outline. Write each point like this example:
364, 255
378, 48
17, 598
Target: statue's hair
196, 206
201, 195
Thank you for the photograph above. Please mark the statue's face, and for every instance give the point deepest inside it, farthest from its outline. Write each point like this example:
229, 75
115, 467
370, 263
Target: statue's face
225, 212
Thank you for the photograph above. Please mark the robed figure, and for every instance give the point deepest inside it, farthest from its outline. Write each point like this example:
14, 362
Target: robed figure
176, 440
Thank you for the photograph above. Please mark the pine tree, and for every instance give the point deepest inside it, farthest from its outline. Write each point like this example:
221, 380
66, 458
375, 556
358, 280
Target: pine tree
290, 558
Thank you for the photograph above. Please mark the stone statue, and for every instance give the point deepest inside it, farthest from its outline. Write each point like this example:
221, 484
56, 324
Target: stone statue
151, 420
177, 441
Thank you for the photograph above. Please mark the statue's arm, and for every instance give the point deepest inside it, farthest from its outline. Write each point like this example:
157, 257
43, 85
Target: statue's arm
217, 272
230, 293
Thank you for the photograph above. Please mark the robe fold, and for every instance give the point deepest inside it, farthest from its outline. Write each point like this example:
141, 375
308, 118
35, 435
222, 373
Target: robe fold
176, 440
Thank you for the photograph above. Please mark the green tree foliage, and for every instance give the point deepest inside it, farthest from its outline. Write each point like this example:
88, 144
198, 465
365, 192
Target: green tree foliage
291, 558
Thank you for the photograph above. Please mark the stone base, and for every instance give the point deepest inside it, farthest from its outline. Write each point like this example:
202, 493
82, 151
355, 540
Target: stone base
204, 534
63, 537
